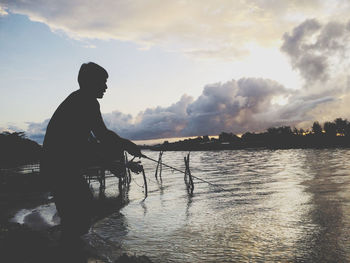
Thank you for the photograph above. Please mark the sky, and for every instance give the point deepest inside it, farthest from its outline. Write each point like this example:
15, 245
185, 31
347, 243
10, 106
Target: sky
177, 68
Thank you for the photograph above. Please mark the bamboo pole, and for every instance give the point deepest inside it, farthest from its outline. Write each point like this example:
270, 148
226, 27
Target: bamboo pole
128, 173
159, 165
188, 175
145, 182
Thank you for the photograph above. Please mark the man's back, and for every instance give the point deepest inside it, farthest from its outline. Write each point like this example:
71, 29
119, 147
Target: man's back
68, 131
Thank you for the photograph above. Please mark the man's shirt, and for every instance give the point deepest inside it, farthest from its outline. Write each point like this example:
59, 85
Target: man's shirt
68, 131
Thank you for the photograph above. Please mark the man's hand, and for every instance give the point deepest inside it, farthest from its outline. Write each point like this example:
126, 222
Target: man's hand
133, 149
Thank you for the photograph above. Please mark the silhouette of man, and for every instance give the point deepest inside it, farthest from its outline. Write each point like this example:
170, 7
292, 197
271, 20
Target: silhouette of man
67, 149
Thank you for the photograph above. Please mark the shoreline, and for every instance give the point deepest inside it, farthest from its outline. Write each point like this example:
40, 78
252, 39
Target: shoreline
40, 242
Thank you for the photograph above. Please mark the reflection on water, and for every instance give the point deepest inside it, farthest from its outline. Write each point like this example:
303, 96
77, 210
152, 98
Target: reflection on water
279, 205
329, 190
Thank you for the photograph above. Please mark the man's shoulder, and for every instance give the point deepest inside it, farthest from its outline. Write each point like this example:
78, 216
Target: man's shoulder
75, 95
72, 97
80, 97
77, 104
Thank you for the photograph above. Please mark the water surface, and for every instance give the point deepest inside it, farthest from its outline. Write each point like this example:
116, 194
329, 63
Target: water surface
277, 205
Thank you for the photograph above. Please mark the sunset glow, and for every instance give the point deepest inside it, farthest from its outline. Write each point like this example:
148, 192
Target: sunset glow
177, 68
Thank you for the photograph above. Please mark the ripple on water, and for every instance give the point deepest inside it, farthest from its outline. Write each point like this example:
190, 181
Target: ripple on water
278, 205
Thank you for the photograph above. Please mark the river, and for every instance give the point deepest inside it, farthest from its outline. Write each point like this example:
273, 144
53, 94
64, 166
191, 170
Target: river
270, 206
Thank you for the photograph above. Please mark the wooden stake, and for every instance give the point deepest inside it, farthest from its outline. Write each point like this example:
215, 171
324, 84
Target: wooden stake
189, 183
189, 174
159, 165
145, 182
128, 170
185, 174
102, 178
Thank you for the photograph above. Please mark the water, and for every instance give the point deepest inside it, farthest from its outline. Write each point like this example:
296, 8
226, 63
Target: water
278, 206
22, 169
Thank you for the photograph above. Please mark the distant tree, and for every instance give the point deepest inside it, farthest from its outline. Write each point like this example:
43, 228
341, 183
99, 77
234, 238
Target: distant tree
228, 137
283, 130
206, 138
275, 137
198, 139
299, 132
341, 125
246, 136
330, 128
295, 131
316, 128
253, 137
272, 131
286, 130
347, 130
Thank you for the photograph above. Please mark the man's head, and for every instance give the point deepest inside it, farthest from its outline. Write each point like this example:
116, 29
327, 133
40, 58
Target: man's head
92, 79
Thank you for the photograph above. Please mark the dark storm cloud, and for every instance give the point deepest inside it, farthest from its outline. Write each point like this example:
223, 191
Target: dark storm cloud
159, 122
297, 110
312, 48
120, 121
292, 42
320, 52
229, 106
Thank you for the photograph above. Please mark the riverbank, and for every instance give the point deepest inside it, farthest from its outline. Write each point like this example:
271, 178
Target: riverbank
19, 244
274, 138
37, 240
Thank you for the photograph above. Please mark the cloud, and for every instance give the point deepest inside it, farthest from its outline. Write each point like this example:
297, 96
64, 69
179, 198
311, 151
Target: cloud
36, 130
238, 106
232, 106
317, 50
201, 28
159, 122
320, 52
248, 104
3, 12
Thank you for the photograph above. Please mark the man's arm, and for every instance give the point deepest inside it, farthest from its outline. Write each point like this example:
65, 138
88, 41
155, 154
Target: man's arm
109, 137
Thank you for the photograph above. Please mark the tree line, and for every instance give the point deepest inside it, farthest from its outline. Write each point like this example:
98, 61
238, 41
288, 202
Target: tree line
338, 127
331, 134
16, 149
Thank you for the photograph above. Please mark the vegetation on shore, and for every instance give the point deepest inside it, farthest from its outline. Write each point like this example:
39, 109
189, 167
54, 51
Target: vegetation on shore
17, 149
330, 134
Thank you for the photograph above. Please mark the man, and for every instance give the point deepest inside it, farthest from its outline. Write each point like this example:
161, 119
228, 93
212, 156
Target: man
67, 149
